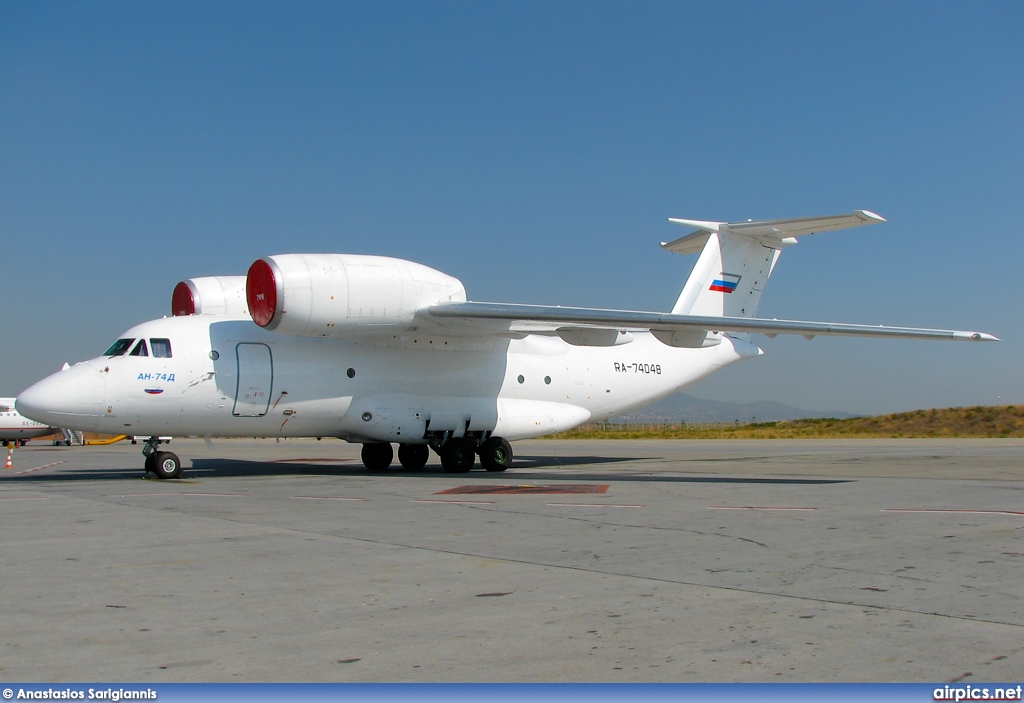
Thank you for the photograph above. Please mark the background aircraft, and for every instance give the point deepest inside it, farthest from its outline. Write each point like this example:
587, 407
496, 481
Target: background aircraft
14, 427
378, 350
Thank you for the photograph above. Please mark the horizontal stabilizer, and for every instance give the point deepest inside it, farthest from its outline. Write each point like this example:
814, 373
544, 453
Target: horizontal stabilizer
775, 232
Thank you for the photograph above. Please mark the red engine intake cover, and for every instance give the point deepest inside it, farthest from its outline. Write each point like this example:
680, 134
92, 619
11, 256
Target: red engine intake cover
261, 292
182, 302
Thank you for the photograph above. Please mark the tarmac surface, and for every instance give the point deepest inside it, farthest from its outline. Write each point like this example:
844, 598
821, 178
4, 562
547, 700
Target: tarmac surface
761, 561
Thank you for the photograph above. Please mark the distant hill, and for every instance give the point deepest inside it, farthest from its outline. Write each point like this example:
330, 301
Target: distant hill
978, 421
687, 408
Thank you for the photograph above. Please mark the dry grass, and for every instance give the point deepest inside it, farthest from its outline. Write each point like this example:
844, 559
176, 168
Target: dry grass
979, 421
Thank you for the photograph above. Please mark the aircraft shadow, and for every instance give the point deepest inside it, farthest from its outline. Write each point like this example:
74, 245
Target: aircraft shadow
524, 469
240, 468
66, 474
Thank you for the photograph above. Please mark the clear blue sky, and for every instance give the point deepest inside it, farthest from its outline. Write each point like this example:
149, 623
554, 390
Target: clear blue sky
534, 150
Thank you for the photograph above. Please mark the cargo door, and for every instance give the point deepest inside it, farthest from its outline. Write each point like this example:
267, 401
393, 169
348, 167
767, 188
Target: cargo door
255, 380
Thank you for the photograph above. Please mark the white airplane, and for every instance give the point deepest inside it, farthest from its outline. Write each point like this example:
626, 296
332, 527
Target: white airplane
16, 428
379, 350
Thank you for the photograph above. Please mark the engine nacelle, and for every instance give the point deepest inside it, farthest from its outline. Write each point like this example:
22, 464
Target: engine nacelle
210, 295
329, 295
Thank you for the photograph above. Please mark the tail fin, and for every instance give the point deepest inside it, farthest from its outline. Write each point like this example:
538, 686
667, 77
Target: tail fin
736, 259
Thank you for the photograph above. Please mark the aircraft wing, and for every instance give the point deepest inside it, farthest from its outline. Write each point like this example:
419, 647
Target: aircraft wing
487, 317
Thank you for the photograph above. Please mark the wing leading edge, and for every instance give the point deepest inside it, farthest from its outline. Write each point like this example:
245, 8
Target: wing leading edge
485, 315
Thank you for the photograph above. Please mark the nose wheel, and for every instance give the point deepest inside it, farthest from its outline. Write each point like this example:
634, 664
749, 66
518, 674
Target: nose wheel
163, 465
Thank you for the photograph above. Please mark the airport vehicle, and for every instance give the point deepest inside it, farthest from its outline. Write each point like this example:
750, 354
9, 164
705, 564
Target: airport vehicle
14, 427
383, 351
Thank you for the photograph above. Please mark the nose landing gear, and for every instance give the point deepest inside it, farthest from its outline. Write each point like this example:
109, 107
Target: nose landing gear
163, 465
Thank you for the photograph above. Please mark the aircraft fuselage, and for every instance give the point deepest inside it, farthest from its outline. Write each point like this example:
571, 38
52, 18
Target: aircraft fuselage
227, 377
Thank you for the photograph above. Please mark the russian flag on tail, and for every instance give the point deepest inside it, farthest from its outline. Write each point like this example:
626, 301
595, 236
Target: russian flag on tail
725, 282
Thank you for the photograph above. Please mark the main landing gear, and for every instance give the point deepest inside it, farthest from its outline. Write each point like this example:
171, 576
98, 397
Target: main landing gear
413, 457
495, 454
161, 464
458, 455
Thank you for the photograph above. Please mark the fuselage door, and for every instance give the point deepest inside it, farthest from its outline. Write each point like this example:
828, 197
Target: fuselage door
255, 380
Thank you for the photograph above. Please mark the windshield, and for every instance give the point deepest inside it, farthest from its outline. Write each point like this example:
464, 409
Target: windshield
119, 347
161, 347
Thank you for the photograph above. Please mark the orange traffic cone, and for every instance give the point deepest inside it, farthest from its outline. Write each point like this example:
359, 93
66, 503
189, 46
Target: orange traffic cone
9, 464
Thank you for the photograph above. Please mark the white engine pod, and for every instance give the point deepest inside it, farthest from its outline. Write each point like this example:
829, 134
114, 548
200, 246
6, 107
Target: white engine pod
210, 295
327, 295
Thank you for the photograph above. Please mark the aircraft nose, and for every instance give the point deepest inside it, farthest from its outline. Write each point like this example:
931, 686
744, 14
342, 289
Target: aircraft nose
72, 398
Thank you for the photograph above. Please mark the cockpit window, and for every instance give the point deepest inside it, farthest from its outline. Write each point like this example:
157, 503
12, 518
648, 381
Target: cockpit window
161, 348
140, 349
119, 347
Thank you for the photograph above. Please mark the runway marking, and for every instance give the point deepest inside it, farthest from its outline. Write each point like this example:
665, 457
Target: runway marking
327, 498
596, 505
953, 510
756, 507
179, 493
28, 498
526, 488
44, 466
456, 502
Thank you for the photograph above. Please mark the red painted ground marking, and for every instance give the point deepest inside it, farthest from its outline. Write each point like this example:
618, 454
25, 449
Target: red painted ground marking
755, 507
313, 460
29, 498
457, 502
179, 493
548, 489
596, 505
44, 466
971, 512
327, 498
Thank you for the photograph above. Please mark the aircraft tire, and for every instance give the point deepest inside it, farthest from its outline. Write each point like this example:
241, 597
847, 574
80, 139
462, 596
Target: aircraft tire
496, 454
377, 456
458, 456
165, 465
413, 457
